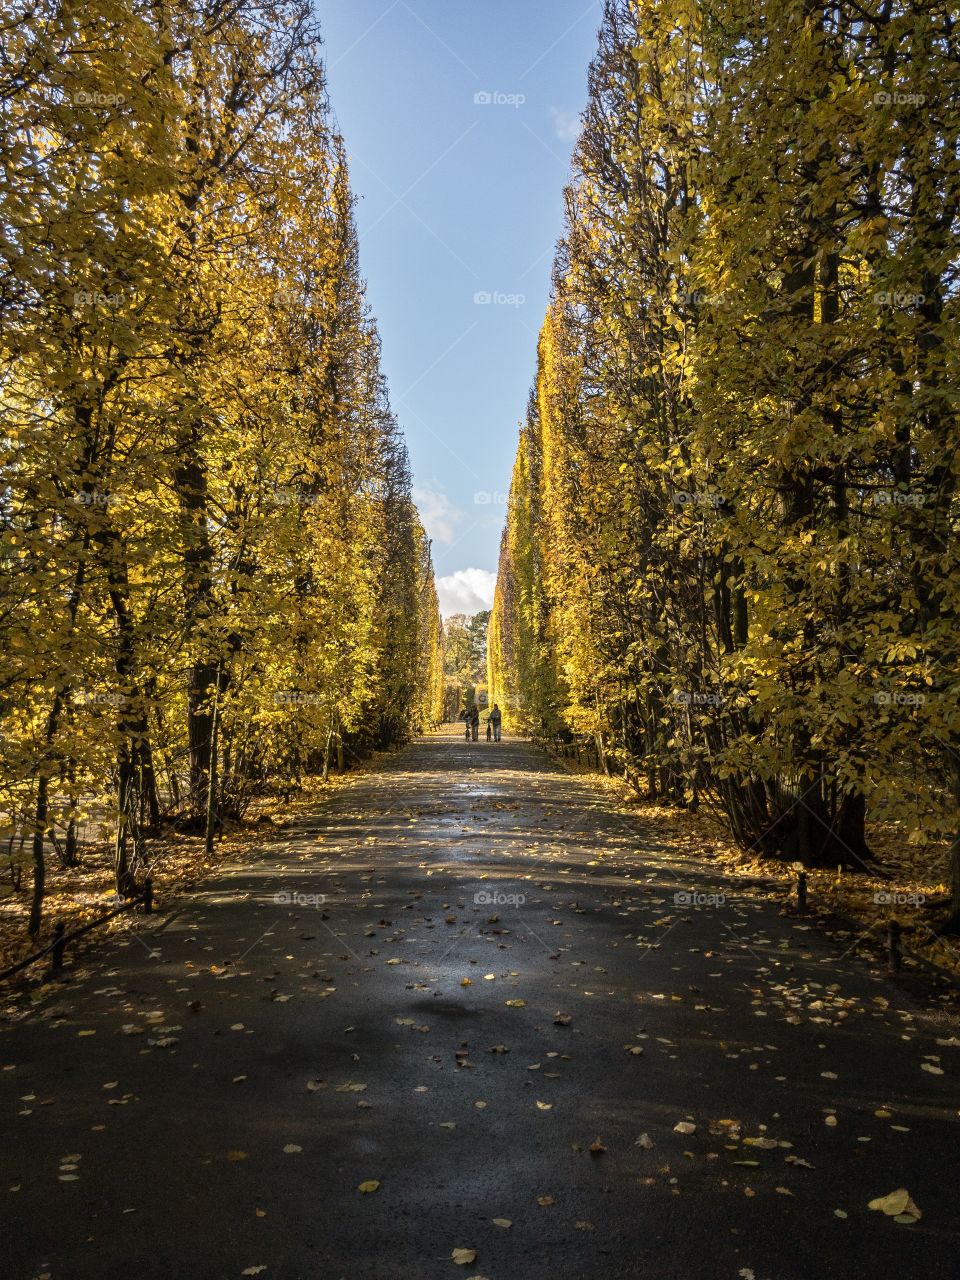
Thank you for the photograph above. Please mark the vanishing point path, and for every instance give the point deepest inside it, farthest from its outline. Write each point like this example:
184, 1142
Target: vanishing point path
500, 1014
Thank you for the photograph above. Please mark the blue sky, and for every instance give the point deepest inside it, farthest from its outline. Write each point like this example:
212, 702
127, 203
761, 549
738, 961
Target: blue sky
459, 117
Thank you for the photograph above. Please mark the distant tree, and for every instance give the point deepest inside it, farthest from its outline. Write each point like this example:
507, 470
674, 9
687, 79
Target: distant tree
477, 630
466, 647
457, 646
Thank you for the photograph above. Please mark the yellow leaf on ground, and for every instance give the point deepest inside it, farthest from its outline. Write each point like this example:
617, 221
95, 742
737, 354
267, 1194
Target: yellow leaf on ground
897, 1205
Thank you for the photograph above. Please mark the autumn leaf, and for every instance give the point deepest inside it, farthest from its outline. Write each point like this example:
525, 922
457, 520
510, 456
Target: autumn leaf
897, 1205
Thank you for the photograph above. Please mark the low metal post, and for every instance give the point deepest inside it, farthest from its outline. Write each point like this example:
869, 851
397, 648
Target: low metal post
59, 946
802, 890
894, 953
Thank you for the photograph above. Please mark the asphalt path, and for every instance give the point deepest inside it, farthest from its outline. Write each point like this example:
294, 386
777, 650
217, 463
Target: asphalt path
467, 1020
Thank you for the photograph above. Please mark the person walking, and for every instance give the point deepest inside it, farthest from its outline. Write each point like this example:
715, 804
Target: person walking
495, 719
475, 723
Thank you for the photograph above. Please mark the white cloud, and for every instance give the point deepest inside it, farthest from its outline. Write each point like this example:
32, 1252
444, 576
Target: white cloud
566, 124
466, 591
437, 512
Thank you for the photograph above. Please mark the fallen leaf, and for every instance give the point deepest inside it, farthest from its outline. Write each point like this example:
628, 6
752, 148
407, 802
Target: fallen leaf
897, 1205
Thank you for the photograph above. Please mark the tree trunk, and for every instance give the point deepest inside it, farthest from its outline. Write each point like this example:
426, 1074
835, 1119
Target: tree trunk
39, 864
212, 767
953, 923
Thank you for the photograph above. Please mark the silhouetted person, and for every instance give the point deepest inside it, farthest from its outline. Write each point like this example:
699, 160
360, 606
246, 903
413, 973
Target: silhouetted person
475, 723
495, 720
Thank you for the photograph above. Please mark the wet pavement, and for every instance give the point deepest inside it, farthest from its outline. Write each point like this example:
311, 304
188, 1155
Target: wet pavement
470, 985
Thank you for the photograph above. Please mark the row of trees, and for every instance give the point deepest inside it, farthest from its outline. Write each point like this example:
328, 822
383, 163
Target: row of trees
211, 570
731, 554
